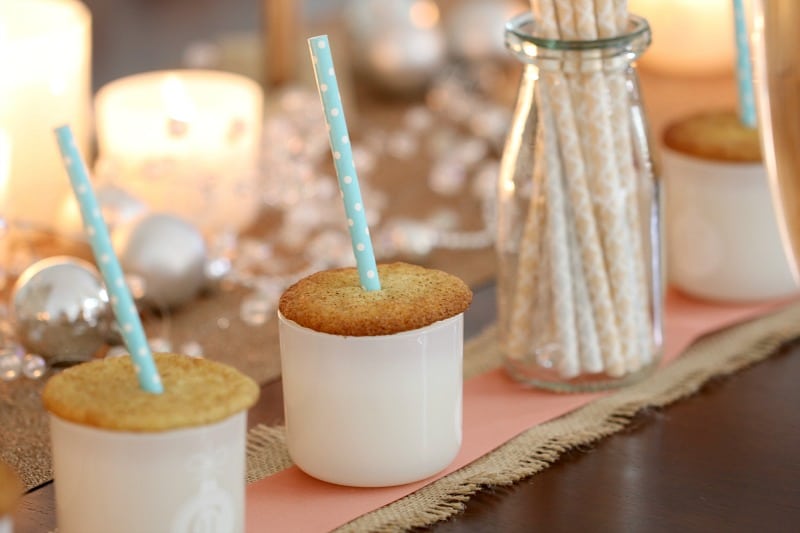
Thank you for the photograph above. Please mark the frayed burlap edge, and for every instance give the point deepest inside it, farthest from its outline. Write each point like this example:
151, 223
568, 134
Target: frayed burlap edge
534, 450
266, 452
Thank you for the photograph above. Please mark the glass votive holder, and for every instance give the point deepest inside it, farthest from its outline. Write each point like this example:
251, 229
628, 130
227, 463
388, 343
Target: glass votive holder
188, 134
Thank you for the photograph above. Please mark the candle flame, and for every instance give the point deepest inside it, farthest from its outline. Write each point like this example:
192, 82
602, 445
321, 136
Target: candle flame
177, 103
424, 14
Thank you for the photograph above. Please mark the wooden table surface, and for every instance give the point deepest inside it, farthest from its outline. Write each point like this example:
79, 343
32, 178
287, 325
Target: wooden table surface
726, 459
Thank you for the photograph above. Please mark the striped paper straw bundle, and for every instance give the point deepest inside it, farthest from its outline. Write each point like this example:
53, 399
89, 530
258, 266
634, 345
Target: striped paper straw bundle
588, 249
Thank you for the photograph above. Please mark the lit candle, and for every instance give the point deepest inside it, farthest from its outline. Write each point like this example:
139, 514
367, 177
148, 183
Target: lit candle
185, 142
45, 58
690, 37
5, 165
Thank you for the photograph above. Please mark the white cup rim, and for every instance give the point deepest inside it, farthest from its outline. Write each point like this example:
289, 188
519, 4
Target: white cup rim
669, 152
430, 327
162, 434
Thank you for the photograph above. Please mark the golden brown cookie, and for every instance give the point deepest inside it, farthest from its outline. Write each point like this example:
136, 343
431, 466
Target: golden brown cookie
10, 489
716, 135
105, 393
411, 297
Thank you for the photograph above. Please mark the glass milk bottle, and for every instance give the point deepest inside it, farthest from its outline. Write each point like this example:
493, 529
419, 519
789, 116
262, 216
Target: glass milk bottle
579, 284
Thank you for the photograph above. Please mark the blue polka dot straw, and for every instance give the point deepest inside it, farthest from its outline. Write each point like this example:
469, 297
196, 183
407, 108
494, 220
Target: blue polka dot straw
121, 299
744, 71
343, 161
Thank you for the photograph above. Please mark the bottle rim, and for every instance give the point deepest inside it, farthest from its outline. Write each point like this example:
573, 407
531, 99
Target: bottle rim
520, 34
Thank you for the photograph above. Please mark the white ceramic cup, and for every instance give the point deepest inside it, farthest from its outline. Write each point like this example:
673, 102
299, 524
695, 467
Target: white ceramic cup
722, 235
128, 461
373, 411
6, 524
182, 480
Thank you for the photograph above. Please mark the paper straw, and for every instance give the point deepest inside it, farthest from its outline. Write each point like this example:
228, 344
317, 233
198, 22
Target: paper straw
744, 72
523, 304
121, 300
592, 100
555, 96
629, 179
591, 358
343, 161
557, 244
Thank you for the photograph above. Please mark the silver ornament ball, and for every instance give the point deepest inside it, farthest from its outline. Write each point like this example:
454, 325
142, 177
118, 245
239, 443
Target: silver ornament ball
399, 46
60, 310
475, 29
167, 253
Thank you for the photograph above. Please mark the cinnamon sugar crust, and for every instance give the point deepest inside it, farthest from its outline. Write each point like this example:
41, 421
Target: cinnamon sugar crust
411, 297
105, 393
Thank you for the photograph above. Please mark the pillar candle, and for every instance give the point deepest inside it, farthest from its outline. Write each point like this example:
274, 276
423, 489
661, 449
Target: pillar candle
185, 142
45, 82
690, 37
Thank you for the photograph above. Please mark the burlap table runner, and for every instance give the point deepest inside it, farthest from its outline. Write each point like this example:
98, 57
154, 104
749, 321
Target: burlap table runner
711, 356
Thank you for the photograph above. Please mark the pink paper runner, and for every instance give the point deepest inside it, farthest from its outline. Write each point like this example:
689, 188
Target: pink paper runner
495, 410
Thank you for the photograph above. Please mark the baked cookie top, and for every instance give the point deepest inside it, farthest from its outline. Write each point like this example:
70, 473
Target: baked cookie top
105, 393
411, 297
716, 135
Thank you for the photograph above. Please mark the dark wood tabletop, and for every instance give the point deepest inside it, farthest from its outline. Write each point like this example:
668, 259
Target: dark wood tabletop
725, 459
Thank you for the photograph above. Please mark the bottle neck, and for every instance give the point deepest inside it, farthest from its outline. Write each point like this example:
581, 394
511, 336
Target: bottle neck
595, 55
